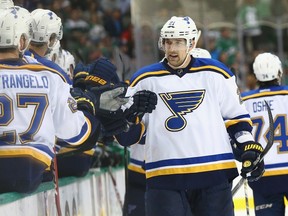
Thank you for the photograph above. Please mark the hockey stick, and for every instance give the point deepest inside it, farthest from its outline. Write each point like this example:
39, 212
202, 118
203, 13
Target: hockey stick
266, 149
125, 147
56, 185
80, 57
246, 197
115, 188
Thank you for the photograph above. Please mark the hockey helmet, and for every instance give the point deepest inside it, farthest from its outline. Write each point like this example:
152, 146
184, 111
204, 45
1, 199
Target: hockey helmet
47, 23
13, 25
179, 27
267, 67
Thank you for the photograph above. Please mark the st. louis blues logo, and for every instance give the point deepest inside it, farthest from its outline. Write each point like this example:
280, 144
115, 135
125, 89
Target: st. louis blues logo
181, 103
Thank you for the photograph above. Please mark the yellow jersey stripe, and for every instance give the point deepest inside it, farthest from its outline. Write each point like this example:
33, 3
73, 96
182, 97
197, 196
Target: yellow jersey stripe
211, 67
148, 74
263, 94
86, 135
136, 169
194, 169
34, 67
275, 172
26, 151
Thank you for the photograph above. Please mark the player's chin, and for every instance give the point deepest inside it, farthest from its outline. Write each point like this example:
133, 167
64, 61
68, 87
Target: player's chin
173, 60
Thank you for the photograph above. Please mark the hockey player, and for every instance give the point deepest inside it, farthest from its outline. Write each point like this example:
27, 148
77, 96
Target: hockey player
33, 112
68, 61
270, 190
134, 204
78, 163
63, 58
200, 53
47, 30
189, 172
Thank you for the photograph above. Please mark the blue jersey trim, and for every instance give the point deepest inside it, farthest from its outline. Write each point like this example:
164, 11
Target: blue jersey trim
49, 64
187, 161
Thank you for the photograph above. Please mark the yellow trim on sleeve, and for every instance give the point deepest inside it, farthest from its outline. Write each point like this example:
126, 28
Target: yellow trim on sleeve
25, 151
233, 122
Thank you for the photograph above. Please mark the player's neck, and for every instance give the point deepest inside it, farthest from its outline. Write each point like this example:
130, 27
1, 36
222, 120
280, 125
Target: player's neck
9, 55
39, 50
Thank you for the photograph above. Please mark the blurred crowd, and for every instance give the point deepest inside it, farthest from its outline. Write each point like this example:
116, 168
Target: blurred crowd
262, 23
91, 28
94, 28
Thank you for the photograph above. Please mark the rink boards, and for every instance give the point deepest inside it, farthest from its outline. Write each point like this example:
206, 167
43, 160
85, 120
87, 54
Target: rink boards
92, 195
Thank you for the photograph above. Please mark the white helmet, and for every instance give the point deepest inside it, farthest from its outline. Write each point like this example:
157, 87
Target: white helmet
47, 23
267, 67
13, 24
6, 4
54, 53
200, 53
27, 15
62, 57
66, 60
179, 27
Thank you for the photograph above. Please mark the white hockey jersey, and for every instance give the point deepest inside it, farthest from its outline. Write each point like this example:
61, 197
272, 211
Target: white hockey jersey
36, 107
276, 160
187, 144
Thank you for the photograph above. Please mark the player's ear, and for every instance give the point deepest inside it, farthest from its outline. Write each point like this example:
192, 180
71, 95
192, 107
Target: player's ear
23, 43
193, 44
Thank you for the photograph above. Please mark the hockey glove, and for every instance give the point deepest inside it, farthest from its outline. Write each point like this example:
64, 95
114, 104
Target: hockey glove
111, 99
85, 100
143, 102
111, 108
101, 72
113, 126
252, 168
80, 73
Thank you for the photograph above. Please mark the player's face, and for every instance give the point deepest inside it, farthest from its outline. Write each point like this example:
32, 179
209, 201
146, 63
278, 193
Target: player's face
175, 50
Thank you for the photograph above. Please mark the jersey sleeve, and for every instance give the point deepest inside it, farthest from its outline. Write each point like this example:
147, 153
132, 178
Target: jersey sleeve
73, 126
233, 111
135, 132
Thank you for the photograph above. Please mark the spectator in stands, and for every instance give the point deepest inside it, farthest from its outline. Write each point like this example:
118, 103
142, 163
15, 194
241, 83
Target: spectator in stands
250, 79
226, 45
249, 17
113, 24
97, 31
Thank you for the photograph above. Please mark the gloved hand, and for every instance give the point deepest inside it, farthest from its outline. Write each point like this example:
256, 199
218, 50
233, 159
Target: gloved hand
110, 110
111, 97
252, 168
80, 73
85, 100
101, 72
113, 126
143, 102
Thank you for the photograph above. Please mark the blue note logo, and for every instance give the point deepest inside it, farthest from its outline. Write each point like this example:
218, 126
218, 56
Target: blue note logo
180, 104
